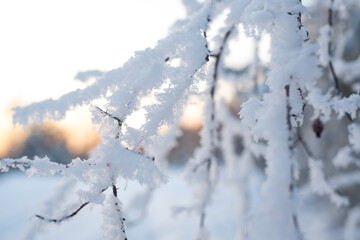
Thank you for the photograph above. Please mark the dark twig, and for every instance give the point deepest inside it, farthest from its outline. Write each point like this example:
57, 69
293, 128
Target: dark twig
333, 73
117, 207
212, 95
330, 52
217, 62
303, 100
300, 25
209, 161
119, 121
292, 165
122, 220
288, 109
305, 145
140, 151
59, 220
214, 84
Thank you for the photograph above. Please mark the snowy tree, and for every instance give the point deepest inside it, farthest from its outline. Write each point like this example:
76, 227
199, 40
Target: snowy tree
296, 128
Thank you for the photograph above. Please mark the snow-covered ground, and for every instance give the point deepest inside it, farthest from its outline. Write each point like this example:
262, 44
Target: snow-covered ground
22, 196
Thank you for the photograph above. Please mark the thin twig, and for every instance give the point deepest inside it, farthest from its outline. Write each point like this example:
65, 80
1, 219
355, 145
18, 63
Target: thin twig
300, 25
333, 73
292, 165
115, 194
303, 100
209, 161
330, 52
214, 85
59, 220
119, 121
217, 62
305, 145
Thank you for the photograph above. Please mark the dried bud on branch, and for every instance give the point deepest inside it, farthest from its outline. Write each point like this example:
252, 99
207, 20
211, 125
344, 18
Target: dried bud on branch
318, 127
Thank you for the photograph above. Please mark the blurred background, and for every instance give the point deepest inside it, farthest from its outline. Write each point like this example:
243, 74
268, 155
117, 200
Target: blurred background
45, 49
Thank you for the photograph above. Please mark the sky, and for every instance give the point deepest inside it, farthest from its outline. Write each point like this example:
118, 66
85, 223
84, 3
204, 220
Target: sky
44, 44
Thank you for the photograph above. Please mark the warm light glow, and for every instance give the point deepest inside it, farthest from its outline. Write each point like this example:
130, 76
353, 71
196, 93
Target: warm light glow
44, 44
12, 138
193, 112
81, 137
76, 131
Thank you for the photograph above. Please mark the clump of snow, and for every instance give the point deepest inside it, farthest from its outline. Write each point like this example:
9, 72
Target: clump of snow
320, 186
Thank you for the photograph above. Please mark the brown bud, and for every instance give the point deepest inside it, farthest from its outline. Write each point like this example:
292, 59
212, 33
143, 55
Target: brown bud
207, 57
318, 127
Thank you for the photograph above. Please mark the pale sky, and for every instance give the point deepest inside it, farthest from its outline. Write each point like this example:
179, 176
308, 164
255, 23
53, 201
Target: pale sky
45, 43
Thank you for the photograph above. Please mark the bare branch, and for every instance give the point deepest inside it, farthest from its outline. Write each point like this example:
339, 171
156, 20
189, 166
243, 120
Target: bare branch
119, 121
59, 220
305, 145
330, 52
